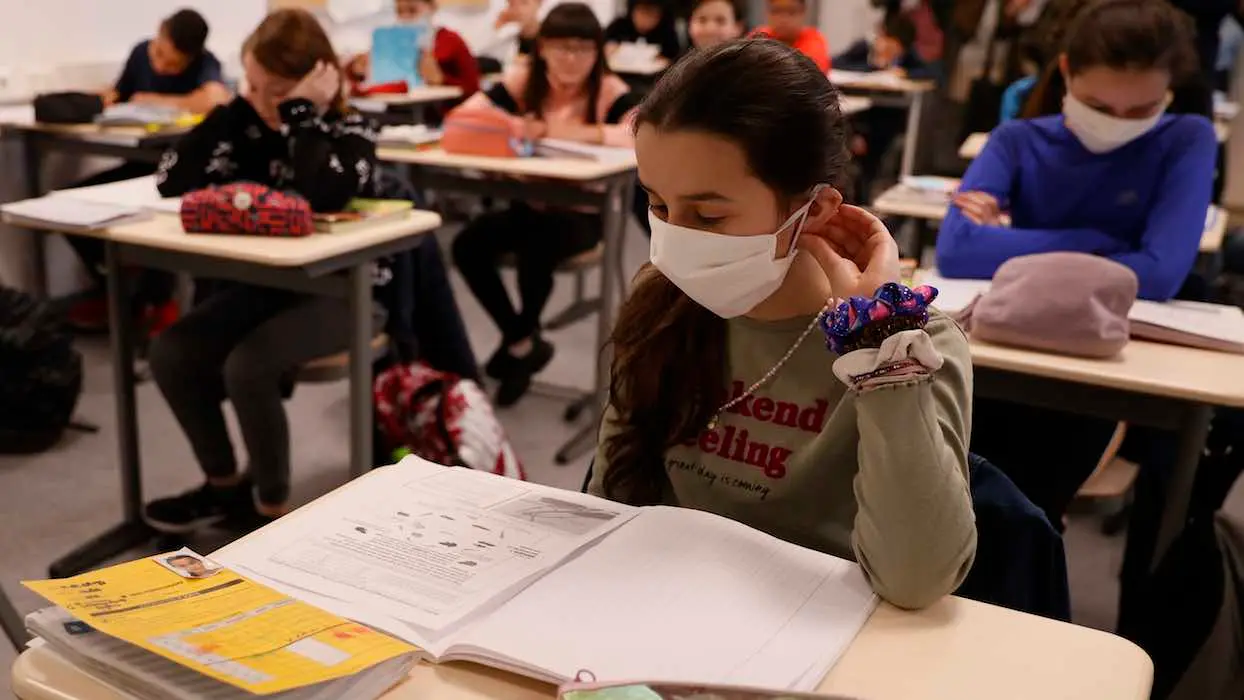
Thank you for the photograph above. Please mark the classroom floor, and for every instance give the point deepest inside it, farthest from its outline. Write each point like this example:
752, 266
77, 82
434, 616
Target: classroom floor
54, 501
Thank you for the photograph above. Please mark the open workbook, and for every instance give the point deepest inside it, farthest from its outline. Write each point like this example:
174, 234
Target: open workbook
546, 583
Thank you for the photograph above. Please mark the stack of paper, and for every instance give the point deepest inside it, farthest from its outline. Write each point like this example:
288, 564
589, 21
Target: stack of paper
1209, 326
408, 135
561, 148
543, 582
130, 114
848, 78
139, 193
179, 626
68, 214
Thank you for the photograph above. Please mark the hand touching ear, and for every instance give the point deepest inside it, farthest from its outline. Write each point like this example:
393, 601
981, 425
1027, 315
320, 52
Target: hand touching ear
855, 250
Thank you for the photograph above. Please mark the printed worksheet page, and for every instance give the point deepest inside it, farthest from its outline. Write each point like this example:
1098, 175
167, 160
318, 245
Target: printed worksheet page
423, 544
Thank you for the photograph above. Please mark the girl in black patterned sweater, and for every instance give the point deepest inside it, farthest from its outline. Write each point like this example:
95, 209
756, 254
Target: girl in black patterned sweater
289, 129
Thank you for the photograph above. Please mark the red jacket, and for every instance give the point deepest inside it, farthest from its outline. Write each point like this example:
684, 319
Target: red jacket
810, 42
456, 62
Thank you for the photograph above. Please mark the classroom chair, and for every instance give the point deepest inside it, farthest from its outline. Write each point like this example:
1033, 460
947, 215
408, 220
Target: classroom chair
331, 368
1020, 562
582, 306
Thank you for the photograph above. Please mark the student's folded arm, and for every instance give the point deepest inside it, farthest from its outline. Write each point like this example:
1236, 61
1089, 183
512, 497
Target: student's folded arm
204, 156
1172, 235
855, 58
205, 98
915, 531
970, 250
333, 162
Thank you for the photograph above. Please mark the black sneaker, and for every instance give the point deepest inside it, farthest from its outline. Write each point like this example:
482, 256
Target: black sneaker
501, 365
515, 386
197, 509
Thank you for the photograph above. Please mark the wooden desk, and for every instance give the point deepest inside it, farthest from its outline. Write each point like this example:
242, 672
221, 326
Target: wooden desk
128, 142
1152, 384
336, 265
897, 202
571, 182
956, 649
975, 143
412, 107
887, 91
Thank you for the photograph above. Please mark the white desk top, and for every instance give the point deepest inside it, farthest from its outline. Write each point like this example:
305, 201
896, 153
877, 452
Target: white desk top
879, 81
956, 649
90, 133
897, 202
854, 104
572, 169
1156, 369
164, 232
418, 95
975, 143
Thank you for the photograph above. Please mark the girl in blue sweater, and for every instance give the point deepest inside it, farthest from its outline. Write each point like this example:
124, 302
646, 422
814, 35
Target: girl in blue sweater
1114, 174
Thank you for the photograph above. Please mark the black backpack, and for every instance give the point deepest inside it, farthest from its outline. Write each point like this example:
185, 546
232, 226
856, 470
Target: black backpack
68, 108
40, 374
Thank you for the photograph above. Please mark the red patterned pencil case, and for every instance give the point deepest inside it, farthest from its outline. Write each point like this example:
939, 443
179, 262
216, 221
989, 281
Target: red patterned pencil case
248, 209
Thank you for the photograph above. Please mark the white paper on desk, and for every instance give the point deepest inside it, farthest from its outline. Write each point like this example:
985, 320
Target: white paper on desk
424, 544
850, 77
953, 295
139, 192
70, 212
562, 148
409, 135
1213, 326
682, 595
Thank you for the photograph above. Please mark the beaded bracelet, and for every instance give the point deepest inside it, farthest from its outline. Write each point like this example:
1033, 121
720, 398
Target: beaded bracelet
859, 322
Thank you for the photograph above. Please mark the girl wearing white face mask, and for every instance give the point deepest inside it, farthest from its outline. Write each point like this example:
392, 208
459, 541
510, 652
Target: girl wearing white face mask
1114, 174
724, 395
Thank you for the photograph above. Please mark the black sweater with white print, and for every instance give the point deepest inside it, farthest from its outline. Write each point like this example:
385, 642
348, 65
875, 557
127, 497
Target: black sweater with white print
328, 159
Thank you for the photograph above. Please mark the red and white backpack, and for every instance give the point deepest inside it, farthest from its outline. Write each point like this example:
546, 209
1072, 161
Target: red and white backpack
442, 418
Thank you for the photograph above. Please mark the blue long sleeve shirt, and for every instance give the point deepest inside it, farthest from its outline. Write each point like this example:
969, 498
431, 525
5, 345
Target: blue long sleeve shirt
1142, 205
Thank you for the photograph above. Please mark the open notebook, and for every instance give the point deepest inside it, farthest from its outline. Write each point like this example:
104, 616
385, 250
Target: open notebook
545, 582
1191, 323
68, 214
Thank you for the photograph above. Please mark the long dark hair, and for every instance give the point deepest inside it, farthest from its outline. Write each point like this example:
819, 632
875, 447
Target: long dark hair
570, 20
1123, 35
669, 353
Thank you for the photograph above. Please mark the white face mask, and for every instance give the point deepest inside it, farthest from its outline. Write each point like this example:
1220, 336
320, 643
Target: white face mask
728, 275
1101, 132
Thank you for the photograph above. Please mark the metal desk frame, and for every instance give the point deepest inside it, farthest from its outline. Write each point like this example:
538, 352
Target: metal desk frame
348, 275
614, 204
1189, 419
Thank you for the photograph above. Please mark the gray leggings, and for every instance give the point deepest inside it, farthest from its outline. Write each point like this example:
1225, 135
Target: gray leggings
238, 344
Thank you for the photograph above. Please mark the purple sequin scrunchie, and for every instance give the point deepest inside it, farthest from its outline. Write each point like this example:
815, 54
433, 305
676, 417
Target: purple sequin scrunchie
863, 323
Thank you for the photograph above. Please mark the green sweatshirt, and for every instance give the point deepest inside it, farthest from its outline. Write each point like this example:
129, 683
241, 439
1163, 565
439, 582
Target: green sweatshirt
878, 477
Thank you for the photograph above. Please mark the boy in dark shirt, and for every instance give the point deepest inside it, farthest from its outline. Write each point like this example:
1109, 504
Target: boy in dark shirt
173, 69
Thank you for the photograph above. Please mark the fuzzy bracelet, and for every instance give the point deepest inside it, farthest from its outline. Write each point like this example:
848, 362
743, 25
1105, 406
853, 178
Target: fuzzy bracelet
859, 322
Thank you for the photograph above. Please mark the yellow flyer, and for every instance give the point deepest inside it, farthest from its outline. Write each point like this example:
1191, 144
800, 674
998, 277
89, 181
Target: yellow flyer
187, 609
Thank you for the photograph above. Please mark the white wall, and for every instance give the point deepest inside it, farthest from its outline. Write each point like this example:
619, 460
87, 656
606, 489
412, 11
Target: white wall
843, 22
43, 37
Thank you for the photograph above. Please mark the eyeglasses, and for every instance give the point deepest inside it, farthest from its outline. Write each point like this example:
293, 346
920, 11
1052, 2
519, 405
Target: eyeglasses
575, 50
